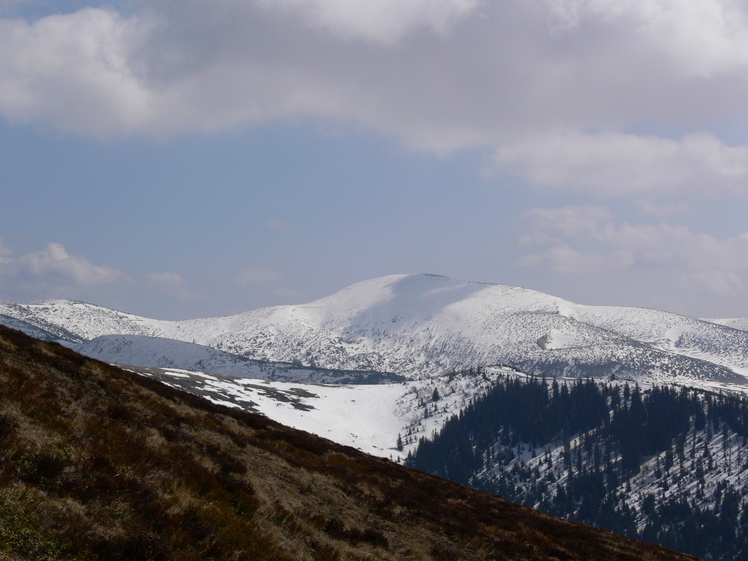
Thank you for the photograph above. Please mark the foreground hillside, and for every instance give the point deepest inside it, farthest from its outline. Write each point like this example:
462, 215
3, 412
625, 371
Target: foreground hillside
97, 463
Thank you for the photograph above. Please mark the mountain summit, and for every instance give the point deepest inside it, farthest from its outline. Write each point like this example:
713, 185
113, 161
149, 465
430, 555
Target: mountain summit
424, 325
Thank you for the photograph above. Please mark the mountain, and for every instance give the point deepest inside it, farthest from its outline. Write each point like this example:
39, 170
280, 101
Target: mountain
421, 326
75, 321
435, 347
735, 323
661, 463
99, 463
38, 332
141, 350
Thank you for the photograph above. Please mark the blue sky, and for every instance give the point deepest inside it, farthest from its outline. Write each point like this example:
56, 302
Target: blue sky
179, 160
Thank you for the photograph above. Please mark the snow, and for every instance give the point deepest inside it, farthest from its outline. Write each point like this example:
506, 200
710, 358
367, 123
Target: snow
735, 323
560, 340
422, 326
367, 417
361, 416
684, 484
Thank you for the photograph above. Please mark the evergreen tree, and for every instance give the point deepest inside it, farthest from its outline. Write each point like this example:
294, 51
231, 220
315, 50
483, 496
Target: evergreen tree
601, 433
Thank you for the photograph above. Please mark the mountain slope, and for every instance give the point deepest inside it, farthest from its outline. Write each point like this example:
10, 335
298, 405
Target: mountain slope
664, 464
157, 352
735, 323
98, 463
385, 420
81, 321
38, 332
426, 325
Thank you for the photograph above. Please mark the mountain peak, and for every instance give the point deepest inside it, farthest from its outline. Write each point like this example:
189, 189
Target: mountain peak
424, 325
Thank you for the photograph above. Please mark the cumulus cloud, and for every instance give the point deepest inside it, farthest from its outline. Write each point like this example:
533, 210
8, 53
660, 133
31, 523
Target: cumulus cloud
75, 70
384, 21
704, 37
586, 240
613, 163
656, 208
484, 72
527, 81
721, 283
555, 224
56, 262
54, 271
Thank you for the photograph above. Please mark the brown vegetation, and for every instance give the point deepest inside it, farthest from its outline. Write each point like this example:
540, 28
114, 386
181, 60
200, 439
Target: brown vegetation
98, 463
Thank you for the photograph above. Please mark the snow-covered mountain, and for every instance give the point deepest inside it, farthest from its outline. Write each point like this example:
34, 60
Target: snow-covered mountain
420, 339
735, 323
141, 350
422, 325
664, 463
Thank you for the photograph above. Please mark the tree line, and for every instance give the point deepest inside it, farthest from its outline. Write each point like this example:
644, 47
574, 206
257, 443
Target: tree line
648, 463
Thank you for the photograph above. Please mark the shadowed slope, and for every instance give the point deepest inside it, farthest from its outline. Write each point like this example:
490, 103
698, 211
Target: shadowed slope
97, 463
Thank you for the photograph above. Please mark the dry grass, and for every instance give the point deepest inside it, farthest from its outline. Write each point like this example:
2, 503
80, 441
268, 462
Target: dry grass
97, 463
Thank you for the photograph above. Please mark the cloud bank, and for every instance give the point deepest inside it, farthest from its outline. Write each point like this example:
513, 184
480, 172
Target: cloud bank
528, 80
54, 270
385, 21
623, 164
587, 240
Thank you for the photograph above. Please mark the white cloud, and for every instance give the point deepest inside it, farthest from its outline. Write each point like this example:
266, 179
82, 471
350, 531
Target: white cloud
565, 259
54, 272
721, 283
703, 37
555, 224
56, 262
383, 21
257, 276
655, 208
502, 72
75, 70
488, 74
586, 240
612, 163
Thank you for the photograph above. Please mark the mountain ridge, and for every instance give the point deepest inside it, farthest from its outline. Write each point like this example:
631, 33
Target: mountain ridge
424, 325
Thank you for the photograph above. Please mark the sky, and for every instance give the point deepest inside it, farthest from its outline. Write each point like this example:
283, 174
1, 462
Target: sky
190, 159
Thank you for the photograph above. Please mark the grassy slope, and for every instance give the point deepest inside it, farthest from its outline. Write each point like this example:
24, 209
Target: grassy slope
97, 463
